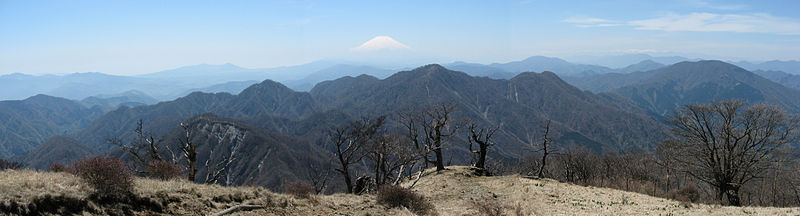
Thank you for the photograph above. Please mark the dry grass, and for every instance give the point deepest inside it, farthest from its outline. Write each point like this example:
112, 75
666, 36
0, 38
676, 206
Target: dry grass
452, 192
456, 188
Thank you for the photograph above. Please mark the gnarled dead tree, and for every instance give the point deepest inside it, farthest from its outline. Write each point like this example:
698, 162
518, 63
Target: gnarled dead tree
726, 144
349, 143
429, 129
390, 154
318, 175
483, 139
144, 149
215, 168
544, 147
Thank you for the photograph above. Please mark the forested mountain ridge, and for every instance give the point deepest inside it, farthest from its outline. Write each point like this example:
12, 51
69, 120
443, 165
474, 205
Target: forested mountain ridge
24, 124
705, 81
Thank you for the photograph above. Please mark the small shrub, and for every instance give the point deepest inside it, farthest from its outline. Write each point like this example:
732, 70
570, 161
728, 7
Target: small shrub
396, 196
110, 178
488, 207
687, 193
57, 167
4, 164
299, 189
164, 170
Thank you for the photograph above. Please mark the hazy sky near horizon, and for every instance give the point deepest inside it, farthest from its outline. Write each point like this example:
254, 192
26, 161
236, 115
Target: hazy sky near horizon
136, 37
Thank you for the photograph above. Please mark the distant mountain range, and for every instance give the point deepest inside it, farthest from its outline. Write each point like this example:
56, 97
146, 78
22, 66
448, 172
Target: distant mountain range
283, 127
786, 79
174, 83
662, 90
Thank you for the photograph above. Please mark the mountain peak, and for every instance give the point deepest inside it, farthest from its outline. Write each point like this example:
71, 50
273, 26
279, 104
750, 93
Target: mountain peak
381, 43
430, 68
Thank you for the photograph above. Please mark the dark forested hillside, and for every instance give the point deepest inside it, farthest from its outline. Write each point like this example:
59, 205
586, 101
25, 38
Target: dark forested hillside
705, 81
24, 124
58, 149
260, 156
786, 79
520, 105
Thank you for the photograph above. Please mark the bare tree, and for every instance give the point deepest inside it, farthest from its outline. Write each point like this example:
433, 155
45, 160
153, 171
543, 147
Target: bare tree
482, 138
727, 144
319, 176
144, 148
390, 155
214, 169
544, 147
666, 156
429, 130
189, 151
349, 142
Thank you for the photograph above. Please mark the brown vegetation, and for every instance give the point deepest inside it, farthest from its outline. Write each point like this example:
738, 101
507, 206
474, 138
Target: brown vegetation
109, 177
299, 189
395, 196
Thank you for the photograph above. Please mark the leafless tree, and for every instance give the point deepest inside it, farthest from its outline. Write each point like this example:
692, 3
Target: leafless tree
727, 144
482, 138
666, 156
544, 148
144, 148
389, 155
429, 130
189, 150
349, 143
215, 168
319, 175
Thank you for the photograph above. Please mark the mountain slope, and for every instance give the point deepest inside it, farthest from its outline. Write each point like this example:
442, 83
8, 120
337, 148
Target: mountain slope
521, 105
335, 72
129, 98
24, 124
786, 79
58, 149
265, 98
705, 81
262, 157
542, 63
606, 82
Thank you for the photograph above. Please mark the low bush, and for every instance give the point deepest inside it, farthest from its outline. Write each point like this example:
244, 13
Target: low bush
488, 207
164, 170
4, 164
57, 167
299, 189
396, 196
110, 177
687, 193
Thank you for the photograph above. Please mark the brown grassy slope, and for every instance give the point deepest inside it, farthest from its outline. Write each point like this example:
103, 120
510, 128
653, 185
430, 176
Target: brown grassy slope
26, 190
451, 191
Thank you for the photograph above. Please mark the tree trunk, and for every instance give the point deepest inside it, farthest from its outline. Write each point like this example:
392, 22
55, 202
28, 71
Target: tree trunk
347, 180
733, 196
192, 160
544, 162
481, 157
439, 160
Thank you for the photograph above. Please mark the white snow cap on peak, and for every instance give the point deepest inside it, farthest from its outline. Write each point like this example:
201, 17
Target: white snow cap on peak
381, 43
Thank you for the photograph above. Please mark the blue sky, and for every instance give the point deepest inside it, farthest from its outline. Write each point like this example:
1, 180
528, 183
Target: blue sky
135, 37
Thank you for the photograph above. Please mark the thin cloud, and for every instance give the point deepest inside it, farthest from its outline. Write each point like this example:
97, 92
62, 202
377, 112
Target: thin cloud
706, 4
710, 22
598, 25
586, 20
590, 22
